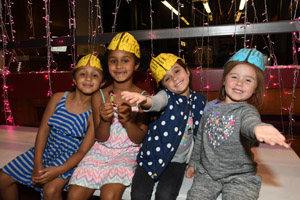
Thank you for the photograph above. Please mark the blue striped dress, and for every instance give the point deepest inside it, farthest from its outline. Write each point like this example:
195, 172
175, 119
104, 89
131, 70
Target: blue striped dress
67, 131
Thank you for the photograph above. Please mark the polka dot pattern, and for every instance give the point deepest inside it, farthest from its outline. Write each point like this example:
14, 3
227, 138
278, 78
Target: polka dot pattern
166, 132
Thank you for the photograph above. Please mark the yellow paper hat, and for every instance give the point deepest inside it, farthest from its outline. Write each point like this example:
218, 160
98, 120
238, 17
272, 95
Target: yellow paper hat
93, 60
161, 64
126, 42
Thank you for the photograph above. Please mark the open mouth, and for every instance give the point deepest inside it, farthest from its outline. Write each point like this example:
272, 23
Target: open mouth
237, 91
178, 84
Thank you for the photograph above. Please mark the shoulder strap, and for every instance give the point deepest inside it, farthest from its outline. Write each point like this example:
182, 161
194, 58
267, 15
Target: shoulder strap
66, 93
102, 96
137, 105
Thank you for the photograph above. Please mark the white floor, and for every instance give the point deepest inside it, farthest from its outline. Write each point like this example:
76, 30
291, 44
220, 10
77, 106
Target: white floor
279, 167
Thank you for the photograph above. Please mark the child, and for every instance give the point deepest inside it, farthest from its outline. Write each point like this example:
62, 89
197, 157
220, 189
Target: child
222, 160
65, 135
164, 153
119, 127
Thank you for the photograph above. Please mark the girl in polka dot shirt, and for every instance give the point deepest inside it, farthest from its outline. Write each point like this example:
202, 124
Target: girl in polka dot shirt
166, 147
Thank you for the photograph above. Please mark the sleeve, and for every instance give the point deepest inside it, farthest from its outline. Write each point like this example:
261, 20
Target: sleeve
249, 120
195, 158
159, 102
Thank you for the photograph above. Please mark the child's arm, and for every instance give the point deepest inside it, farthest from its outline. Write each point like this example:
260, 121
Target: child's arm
253, 128
136, 126
42, 135
195, 157
137, 98
190, 172
270, 135
102, 114
51, 173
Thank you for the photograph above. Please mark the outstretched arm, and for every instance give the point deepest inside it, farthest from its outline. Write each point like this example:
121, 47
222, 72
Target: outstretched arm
270, 135
137, 98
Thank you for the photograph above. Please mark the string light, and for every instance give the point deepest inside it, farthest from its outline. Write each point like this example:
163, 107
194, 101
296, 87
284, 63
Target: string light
95, 23
48, 37
118, 3
4, 71
72, 28
29, 9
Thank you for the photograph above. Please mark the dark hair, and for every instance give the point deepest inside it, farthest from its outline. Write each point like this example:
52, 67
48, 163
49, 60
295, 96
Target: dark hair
186, 68
258, 96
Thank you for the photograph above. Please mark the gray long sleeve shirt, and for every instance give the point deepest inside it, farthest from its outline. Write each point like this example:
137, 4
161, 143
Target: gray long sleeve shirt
224, 139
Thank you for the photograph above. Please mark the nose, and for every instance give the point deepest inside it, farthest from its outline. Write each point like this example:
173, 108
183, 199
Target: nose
239, 82
119, 65
88, 77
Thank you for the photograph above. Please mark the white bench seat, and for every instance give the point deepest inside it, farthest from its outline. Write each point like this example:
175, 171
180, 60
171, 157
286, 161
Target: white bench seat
279, 167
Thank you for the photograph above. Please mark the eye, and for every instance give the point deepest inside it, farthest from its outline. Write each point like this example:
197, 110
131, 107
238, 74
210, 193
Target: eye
112, 61
81, 74
248, 80
125, 61
95, 75
177, 71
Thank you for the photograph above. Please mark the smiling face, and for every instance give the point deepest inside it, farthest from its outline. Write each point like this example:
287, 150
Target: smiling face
87, 79
121, 65
240, 83
177, 80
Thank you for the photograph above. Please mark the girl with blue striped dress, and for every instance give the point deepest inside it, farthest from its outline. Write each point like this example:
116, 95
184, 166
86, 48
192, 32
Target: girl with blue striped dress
65, 135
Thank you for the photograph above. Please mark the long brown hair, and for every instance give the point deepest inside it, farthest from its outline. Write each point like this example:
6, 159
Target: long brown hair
257, 97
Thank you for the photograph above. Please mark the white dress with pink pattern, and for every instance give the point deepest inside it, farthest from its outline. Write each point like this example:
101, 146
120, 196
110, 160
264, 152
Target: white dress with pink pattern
112, 161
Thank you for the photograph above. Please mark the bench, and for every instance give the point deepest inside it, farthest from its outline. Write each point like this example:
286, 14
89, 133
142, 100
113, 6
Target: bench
279, 167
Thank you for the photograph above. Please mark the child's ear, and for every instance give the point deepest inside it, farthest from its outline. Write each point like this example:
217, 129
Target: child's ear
102, 83
74, 81
136, 66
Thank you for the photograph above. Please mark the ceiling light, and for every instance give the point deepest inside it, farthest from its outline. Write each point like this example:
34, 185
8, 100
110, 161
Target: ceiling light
184, 20
170, 7
242, 4
175, 11
238, 16
206, 6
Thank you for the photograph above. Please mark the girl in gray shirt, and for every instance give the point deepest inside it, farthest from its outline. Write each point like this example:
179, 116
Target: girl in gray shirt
221, 159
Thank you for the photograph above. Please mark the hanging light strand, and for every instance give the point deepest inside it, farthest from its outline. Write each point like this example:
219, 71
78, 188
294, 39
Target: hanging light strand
72, 29
5, 72
151, 28
178, 28
118, 3
48, 38
29, 10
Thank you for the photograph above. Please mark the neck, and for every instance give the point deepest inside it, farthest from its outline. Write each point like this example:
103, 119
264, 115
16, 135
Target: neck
118, 87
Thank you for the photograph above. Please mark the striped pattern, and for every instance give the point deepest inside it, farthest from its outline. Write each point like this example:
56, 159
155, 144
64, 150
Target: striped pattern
113, 161
65, 137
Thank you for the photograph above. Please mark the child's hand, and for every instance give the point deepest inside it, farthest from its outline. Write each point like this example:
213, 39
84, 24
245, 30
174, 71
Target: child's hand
48, 174
270, 135
190, 172
124, 112
35, 174
106, 112
134, 97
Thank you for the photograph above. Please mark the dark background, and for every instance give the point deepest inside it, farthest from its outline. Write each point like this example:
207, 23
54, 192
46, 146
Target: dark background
135, 15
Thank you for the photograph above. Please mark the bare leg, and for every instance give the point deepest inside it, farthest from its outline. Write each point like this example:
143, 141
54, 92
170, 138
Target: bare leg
112, 191
77, 192
8, 187
54, 188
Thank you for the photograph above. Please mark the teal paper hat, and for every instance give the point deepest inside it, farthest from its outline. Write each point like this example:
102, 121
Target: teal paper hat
252, 56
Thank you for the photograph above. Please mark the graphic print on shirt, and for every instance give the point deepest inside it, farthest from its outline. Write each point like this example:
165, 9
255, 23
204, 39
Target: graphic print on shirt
218, 128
